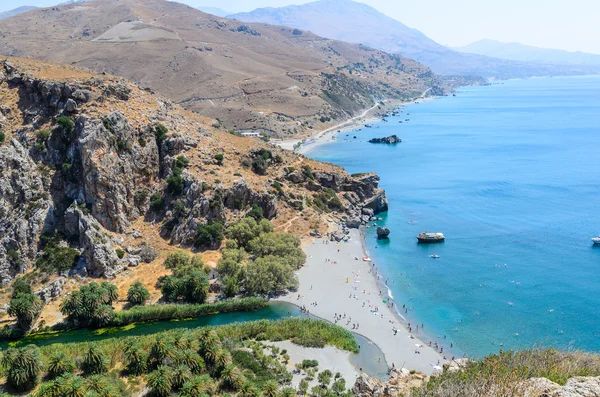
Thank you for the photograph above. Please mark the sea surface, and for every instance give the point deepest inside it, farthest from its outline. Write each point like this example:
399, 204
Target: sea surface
510, 173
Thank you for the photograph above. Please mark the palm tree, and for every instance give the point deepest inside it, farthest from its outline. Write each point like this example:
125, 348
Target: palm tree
196, 387
270, 388
222, 358
211, 352
161, 381
248, 390
26, 307
71, 386
23, 367
138, 294
230, 375
287, 392
136, 360
181, 374
160, 351
112, 293
59, 364
97, 383
191, 359
95, 361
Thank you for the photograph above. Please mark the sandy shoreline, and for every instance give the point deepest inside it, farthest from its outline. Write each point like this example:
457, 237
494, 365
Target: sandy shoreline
369, 116
341, 285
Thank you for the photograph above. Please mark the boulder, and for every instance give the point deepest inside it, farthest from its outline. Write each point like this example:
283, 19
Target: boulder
147, 253
353, 223
337, 236
579, 386
383, 232
390, 140
52, 290
70, 106
367, 387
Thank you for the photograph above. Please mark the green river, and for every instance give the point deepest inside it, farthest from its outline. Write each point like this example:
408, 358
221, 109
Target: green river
367, 359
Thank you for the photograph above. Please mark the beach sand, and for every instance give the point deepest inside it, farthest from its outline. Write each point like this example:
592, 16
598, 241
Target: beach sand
368, 116
343, 285
329, 357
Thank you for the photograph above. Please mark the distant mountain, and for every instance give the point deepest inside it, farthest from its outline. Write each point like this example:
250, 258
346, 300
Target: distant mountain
214, 11
16, 11
270, 79
359, 23
525, 53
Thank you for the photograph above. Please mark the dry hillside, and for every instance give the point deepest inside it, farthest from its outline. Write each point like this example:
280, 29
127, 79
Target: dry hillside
122, 176
272, 79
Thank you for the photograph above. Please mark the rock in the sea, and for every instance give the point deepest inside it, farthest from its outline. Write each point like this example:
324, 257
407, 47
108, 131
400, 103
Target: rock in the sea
383, 232
390, 140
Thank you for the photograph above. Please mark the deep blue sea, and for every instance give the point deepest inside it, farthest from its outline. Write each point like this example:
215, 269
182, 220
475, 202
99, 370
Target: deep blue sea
510, 173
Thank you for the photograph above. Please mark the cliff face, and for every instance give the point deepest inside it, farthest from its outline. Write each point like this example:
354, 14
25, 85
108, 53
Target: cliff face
97, 165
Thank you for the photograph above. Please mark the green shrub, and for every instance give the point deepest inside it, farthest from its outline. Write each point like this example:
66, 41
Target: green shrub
67, 124
56, 257
157, 202
2, 137
175, 182
256, 212
182, 162
42, 136
219, 157
160, 132
209, 235
120, 253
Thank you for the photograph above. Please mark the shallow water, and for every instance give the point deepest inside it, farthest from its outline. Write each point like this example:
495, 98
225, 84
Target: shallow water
510, 173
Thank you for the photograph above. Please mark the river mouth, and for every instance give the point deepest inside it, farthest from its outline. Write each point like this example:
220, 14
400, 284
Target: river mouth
370, 358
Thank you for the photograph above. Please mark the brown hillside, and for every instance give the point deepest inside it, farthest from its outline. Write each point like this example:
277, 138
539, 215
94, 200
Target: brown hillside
90, 186
249, 76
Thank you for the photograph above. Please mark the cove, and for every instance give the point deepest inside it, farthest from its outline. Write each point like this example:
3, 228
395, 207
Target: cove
509, 173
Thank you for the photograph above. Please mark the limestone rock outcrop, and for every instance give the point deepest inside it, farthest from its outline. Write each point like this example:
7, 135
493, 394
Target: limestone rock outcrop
98, 249
25, 209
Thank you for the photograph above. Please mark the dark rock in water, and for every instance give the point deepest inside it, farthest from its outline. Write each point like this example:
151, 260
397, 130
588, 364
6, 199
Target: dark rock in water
383, 232
390, 140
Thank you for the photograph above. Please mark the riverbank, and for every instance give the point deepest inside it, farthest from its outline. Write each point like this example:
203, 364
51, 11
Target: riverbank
334, 283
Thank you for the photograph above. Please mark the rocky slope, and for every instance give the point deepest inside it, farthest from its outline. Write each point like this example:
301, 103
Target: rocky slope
275, 80
118, 175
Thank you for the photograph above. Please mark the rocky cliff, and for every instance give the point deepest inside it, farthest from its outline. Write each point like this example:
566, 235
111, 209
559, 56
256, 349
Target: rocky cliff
96, 169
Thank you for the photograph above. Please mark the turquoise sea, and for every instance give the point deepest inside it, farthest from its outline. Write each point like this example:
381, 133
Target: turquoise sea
510, 173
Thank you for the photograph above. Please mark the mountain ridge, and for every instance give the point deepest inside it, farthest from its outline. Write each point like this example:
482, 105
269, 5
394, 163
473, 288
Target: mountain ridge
359, 23
271, 79
526, 53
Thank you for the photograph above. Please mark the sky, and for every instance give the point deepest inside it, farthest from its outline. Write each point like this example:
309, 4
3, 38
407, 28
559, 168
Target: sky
563, 24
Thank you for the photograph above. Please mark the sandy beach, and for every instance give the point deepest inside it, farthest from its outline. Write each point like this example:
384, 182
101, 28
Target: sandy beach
372, 115
334, 283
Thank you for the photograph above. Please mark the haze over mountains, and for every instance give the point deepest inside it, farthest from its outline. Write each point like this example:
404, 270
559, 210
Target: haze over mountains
525, 53
267, 78
359, 23
16, 11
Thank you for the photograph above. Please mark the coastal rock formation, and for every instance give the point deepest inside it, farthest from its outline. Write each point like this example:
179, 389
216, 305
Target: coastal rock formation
400, 383
383, 233
579, 386
390, 140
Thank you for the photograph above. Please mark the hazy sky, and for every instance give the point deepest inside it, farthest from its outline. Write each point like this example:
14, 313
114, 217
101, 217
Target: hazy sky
565, 24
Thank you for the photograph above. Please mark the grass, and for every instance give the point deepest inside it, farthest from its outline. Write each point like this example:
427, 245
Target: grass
503, 374
140, 314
